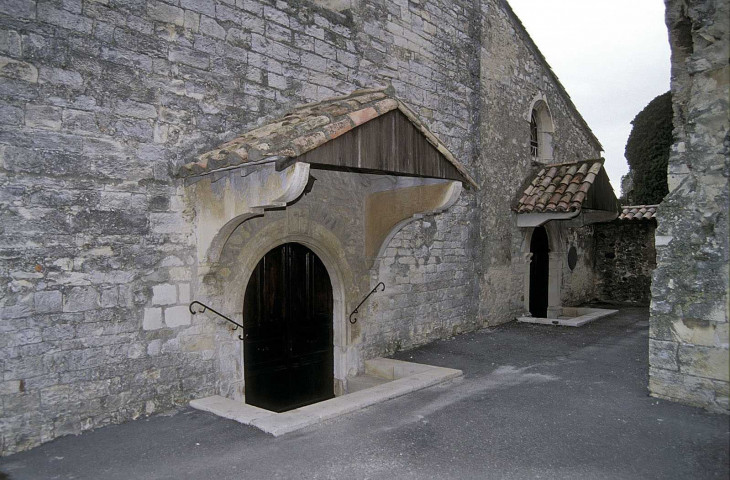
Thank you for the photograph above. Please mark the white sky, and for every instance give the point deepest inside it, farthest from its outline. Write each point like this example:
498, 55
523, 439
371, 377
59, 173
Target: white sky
612, 56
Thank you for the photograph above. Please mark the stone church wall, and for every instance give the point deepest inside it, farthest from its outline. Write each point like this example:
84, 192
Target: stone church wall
102, 101
625, 260
504, 161
688, 346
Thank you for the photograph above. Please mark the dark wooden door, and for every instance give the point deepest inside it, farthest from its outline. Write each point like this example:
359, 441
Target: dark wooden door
287, 318
539, 273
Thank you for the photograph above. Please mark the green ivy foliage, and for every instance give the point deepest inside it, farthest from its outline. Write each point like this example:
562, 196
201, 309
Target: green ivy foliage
647, 150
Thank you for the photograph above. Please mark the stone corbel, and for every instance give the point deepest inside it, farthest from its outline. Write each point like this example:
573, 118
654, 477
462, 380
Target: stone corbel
225, 200
388, 211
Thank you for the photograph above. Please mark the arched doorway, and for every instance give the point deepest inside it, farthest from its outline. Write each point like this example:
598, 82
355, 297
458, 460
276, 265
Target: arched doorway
288, 331
539, 272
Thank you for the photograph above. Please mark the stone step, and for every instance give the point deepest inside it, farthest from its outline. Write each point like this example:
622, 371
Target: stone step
361, 382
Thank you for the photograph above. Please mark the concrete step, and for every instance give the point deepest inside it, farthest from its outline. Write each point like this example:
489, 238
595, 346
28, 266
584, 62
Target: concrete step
407, 377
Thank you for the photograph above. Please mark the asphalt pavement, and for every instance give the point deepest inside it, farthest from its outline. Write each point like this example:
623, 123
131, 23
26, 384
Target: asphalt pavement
535, 401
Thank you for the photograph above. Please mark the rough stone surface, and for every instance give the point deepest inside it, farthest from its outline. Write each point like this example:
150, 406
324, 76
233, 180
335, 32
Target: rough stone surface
102, 102
625, 260
690, 285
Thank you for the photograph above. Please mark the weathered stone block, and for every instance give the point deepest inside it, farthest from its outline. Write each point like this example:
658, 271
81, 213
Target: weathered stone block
700, 332
189, 57
167, 223
11, 115
10, 387
166, 13
63, 18
48, 301
43, 116
23, 367
705, 362
684, 388
663, 355
164, 294
209, 26
177, 316
80, 299
80, 121
133, 109
18, 8
109, 297
201, 6
110, 222
18, 70
59, 76
155, 346
127, 58
122, 201
10, 42
192, 21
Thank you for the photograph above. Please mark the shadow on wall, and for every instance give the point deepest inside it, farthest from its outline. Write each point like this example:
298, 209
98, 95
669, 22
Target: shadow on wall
625, 259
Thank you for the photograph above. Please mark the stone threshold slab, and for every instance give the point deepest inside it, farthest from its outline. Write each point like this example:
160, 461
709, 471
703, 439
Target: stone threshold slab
572, 317
405, 377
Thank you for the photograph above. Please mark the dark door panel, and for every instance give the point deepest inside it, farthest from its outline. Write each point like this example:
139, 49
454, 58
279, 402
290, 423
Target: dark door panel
539, 272
288, 344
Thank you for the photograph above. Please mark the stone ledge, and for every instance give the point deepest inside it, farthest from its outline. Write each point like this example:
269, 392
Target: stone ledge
409, 378
571, 317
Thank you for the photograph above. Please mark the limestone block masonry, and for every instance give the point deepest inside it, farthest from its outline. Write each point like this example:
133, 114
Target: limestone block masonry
101, 102
688, 349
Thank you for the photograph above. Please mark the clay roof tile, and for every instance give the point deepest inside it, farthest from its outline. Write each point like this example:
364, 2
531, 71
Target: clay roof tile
638, 212
560, 187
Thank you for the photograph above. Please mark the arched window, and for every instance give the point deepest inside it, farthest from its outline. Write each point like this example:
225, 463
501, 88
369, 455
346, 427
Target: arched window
534, 143
541, 131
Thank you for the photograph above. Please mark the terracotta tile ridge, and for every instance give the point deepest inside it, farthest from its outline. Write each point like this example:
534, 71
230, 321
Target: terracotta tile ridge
582, 171
595, 168
577, 162
639, 206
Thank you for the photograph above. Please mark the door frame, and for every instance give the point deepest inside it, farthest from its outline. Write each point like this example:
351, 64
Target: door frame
339, 324
555, 267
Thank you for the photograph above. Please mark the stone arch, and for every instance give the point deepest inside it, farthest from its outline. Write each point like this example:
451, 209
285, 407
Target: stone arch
542, 129
555, 267
328, 248
219, 240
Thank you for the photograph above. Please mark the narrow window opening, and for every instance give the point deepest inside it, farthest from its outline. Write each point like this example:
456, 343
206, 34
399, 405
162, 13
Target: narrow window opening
541, 132
534, 145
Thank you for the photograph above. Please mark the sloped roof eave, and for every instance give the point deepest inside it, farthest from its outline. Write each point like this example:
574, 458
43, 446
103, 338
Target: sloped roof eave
560, 188
309, 126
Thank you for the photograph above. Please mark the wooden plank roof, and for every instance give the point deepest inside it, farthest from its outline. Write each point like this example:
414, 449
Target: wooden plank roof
311, 126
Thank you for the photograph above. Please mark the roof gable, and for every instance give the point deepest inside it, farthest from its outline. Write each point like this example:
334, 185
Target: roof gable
569, 187
311, 126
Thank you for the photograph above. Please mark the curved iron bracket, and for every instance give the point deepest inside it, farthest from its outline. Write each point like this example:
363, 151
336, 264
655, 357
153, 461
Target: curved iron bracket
205, 307
380, 284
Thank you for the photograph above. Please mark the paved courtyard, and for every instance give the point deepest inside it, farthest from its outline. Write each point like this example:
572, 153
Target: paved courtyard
535, 402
